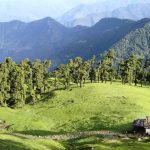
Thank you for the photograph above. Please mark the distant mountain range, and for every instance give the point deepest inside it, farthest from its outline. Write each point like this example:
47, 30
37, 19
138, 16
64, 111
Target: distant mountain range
88, 15
48, 39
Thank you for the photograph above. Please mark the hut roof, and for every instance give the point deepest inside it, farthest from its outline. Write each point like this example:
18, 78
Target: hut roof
139, 123
145, 123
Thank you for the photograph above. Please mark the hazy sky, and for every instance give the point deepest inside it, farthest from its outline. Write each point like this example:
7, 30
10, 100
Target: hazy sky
53, 8
34, 9
59, 5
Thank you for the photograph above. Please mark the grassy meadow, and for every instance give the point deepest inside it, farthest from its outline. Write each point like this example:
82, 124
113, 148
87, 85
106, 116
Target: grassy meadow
10, 142
94, 107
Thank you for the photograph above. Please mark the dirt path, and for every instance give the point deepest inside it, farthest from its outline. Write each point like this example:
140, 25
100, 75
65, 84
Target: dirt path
70, 136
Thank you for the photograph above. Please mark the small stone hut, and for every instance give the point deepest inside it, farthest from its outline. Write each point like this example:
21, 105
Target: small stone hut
142, 125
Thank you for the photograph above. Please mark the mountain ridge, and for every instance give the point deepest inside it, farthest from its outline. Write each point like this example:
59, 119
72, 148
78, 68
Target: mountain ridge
48, 39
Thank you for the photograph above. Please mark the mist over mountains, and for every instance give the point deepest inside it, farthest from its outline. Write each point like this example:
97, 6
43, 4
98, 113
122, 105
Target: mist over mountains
71, 13
88, 15
30, 10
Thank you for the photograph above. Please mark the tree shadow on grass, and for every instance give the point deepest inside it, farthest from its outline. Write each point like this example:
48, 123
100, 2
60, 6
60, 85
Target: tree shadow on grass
11, 145
96, 124
18, 136
84, 143
53, 147
95, 142
40, 132
45, 97
48, 96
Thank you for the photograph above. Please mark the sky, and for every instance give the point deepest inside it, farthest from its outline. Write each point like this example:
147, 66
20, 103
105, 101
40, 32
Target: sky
53, 8
28, 10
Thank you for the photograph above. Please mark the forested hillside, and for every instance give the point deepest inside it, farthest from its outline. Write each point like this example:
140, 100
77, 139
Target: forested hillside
105, 35
137, 42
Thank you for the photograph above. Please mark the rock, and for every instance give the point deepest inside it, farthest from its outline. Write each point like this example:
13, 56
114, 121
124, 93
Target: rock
126, 138
141, 140
2, 121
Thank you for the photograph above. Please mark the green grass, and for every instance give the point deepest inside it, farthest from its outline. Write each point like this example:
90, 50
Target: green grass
9, 142
94, 107
99, 144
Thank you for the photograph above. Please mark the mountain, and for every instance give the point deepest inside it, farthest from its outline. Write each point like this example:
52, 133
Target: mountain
48, 39
101, 37
34, 39
88, 15
137, 42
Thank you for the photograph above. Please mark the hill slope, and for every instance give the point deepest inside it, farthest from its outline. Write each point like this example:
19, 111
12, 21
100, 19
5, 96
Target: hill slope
137, 42
94, 107
11, 142
103, 36
16, 143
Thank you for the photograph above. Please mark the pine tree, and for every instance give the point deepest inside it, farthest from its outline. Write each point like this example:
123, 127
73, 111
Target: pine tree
92, 75
105, 67
64, 71
18, 88
46, 66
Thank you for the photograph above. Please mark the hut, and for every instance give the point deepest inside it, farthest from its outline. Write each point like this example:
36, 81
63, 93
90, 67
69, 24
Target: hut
142, 125
147, 125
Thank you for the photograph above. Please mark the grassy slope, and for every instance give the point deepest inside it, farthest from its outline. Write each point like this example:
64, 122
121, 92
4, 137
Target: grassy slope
99, 144
9, 142
94, 107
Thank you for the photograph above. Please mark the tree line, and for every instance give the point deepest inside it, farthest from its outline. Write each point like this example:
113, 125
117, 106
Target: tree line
108, 69
26, 82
